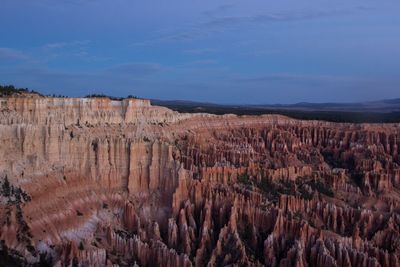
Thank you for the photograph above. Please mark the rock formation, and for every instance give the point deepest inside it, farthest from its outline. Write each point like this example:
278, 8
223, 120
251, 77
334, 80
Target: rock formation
97, 182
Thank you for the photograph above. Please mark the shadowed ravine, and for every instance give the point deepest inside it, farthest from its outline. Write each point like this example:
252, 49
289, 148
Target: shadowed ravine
96, 182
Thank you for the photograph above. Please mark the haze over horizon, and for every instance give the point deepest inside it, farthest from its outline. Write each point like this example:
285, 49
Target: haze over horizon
239, 52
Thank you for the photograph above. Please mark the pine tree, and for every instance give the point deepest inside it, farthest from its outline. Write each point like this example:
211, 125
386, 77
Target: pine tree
6, 187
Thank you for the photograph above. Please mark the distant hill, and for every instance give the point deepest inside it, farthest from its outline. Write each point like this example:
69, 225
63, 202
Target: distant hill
385, 106
388, 105
374, 111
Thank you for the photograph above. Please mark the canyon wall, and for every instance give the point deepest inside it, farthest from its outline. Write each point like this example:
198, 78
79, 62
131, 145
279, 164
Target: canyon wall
96, 182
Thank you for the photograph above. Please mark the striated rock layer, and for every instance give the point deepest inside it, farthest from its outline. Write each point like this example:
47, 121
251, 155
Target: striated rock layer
95, 182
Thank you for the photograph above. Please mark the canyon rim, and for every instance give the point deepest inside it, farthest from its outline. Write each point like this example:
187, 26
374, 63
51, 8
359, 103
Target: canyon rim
101, 182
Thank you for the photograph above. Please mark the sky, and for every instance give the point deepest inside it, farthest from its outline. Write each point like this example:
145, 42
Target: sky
241, 52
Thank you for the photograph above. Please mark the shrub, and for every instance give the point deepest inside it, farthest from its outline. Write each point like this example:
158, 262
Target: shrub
81, 247
6, 188
244, 178
9, 90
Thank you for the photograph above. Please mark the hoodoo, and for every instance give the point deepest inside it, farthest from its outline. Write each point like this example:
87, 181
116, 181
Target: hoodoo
100, 182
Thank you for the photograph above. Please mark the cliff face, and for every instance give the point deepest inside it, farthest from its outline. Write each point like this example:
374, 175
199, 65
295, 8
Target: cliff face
95, 182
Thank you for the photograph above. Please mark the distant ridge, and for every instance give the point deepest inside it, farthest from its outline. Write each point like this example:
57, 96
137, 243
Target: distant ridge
382, 106
382, 111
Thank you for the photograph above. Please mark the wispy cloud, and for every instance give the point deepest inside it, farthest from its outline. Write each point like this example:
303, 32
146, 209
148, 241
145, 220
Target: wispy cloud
225, 21
70, 49
12, 54
138, 69
61, 3
298, 78
198, 51
131, 69
218, 10
218, 22
70, 44
273, 17
203, 62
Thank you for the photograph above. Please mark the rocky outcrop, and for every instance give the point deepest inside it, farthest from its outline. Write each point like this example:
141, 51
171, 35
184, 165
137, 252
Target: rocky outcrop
96, 182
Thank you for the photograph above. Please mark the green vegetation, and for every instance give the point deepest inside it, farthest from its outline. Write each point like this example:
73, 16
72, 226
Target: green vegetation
305, 187
10, 257
14, 195
75, 262
271, 189
276, 188
245, 179
81, 246
6, 189
59, 96
24, 234
95, 146
9, 90
319, 185
45, 260
298, 215
110, 97
246, 233
304, 192
357, 179
322, 188
124, 234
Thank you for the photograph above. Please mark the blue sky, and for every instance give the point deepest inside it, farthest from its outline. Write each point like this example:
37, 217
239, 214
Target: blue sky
254, 51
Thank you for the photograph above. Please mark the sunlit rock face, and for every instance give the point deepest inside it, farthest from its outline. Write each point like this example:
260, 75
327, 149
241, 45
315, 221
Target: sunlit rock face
95, 182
